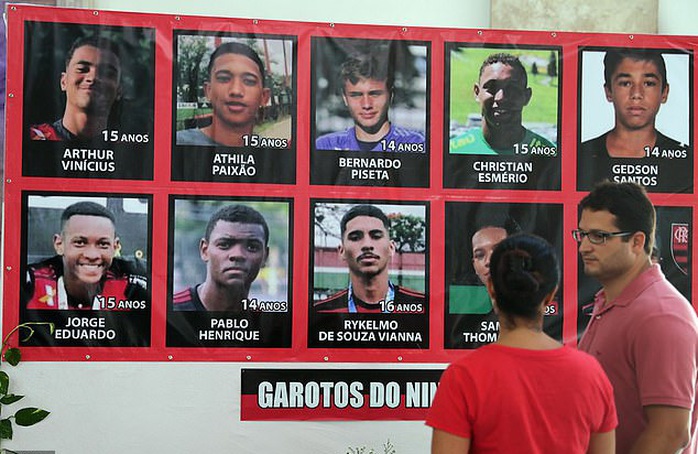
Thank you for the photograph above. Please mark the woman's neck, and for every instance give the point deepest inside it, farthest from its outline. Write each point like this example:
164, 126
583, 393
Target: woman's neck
530, 337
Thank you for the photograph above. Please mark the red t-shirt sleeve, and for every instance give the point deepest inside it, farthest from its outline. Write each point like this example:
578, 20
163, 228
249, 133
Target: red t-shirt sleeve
609, 419
450, 410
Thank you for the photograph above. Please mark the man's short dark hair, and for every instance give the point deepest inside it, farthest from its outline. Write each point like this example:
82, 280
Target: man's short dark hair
614, 57
629, 203
363, 210
232, 47
86, 209
100, 42
506, 222
506, 59
237, 213
367, 66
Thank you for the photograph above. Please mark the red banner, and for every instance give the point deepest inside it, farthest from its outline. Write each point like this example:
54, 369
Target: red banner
220, 189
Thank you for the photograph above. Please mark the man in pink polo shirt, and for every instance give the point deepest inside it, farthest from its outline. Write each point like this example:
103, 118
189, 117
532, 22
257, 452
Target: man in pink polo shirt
642, 330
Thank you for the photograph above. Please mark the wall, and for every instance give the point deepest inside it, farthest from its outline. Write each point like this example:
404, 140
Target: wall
591, 15
444, 13
675, 17
158, 407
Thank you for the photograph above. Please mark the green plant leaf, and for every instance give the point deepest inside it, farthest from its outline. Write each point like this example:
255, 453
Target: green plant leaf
4, 382
6, 429
13, 356
30, 416
10, 399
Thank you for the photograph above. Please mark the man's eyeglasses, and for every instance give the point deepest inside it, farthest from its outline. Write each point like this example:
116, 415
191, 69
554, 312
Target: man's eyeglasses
596, 236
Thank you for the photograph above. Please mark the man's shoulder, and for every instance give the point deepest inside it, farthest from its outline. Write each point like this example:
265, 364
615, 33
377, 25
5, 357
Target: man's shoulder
404, 294
193, 136
186, 300
50, 268
409, 301
596, 140
667, 143
44, 131
470, 141
651, 296
183, 296
132, 273
675, 300
122, 267
595, 148
535, 139
659, 308
406, 135
337, 302
338, 140
40, 287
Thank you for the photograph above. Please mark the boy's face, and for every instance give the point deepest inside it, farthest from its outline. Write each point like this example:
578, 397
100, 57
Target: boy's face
636, 91
234, 253
366, 246
236, 90
502, 94
88, 245
368, 102
91, 80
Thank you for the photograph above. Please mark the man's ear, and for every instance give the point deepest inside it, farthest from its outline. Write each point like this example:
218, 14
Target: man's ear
665, 93
528, 93
203, 249
476, 90
58, 244
490, 291
63, 84
117, 246
609, 94
638, 240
